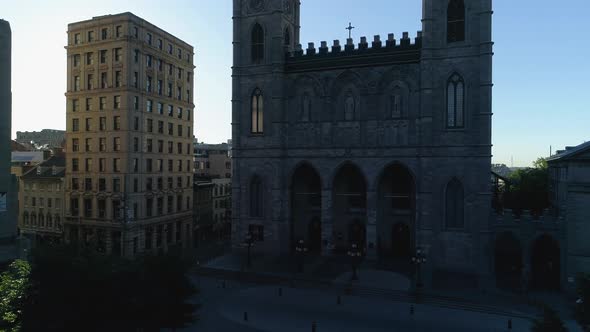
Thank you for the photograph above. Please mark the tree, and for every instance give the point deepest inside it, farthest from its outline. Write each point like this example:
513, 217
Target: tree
582, 309
529, 188
14, 284
82, 290
548, 322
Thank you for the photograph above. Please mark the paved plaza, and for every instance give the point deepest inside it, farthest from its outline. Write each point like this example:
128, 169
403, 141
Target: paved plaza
379, 301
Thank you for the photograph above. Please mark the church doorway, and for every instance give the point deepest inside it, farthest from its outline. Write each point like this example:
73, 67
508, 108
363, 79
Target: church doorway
545, 264
315, 236
396, 213
349, 208
508, 261
401, 242
306, 204
357, 234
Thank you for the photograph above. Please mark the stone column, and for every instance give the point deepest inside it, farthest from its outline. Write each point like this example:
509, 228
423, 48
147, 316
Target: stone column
371, 226
327, 222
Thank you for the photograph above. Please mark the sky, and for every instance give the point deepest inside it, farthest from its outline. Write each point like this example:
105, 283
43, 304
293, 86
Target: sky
541, 67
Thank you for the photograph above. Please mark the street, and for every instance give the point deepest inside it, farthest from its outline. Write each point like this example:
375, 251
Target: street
296, 310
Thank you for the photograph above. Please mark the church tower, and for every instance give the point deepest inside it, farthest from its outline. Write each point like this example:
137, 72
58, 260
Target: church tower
264, 31
456, 110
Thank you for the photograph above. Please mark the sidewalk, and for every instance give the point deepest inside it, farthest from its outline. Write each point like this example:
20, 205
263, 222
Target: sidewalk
336, 274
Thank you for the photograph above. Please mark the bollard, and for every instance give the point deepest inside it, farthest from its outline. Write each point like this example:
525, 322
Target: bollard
412, 310
314, 327
510, 325
338, 300
280, 291
245, 316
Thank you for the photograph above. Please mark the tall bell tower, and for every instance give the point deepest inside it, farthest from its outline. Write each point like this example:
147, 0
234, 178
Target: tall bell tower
264, 31
456, 109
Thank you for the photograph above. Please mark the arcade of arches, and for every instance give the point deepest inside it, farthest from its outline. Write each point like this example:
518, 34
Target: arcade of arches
534, 268
534, 265
395, 211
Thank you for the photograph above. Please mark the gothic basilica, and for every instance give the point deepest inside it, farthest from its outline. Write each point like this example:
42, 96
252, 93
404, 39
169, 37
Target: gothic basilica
383, 142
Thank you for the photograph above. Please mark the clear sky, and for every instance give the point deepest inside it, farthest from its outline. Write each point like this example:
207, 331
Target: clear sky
541, 67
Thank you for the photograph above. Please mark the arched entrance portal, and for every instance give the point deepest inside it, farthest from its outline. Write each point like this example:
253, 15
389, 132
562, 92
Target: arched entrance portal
349, 209
401, 241
508, 261
545, 267
396, 213
306, 204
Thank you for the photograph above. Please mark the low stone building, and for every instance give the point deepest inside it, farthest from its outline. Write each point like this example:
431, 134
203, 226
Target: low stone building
212, 160
202, 209
569, 186
50, 138
41, 201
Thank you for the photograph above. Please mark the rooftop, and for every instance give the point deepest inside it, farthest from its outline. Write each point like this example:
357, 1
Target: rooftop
569, 152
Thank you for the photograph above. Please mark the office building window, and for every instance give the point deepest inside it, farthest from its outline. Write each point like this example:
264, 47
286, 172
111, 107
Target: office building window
102, 144
116, 143
118, 79
90, 82
102, 103
116, 123
75, 124
75, 145
103, 56
89, 145
88, 104
102, 125
117, 102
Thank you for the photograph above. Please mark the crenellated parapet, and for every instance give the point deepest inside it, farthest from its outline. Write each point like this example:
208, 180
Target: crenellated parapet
525, 220
378, 52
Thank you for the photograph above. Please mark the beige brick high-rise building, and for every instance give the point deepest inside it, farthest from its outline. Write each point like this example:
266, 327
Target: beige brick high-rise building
129, 136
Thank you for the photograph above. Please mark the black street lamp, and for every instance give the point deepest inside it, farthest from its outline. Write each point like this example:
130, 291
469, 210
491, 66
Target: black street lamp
355, 255
249, 242
418, 260
300, 250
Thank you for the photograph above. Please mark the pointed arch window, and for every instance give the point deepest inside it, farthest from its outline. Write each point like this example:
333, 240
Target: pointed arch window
257, 112
349, 107
455, 102
454, 206
287, 37
256, 197
257, 44
456, 21
305, 115
396, 103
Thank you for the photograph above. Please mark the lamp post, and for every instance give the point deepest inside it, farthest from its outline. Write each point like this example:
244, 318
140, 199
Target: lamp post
300, 250
418, 260
355, 254
249, 242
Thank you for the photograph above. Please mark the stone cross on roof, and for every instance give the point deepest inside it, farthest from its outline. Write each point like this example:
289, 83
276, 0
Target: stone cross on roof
350, 27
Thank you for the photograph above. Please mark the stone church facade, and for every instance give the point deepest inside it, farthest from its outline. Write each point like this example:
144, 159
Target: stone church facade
382, 143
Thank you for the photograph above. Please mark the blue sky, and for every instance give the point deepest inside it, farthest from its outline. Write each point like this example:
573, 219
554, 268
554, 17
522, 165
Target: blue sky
541, 68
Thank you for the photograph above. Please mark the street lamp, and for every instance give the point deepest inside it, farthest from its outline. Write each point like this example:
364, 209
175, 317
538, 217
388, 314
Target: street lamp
418, 260
355, 254
249, 242
300, 250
